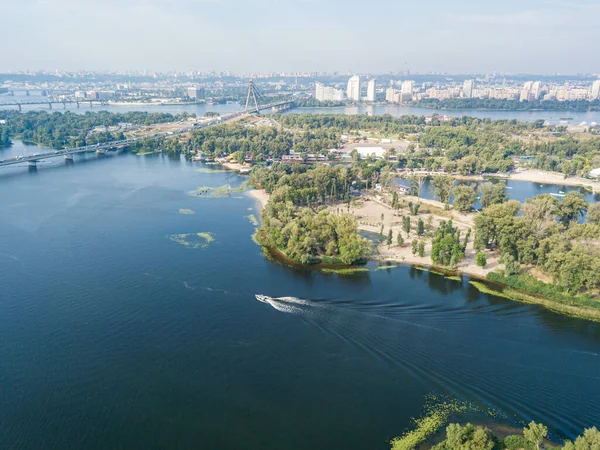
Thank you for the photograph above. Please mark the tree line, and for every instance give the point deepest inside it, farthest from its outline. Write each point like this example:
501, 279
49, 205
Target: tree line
510, 105
67, 129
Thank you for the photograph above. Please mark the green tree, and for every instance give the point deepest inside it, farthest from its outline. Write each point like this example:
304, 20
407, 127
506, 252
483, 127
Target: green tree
420, 227
468, 437
535, 433
406, 225
442, 187
421, 249
492, 194
590, 440
414, 245
480, 259
399, 239
593, 214
572, 207
511, 265
446, 248
389, 238
464, 198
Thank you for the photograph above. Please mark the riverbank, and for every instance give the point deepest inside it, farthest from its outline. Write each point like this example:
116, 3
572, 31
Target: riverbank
260, 196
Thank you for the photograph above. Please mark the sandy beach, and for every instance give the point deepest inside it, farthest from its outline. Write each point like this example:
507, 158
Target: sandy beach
368, 215
260, 196
541, 177
242, 168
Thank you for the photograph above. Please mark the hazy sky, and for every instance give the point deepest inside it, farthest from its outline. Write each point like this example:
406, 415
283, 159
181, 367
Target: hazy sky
535, 36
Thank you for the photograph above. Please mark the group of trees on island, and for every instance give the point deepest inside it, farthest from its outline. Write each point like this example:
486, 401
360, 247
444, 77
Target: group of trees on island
297, 222
546, 233
510, 105
534, 437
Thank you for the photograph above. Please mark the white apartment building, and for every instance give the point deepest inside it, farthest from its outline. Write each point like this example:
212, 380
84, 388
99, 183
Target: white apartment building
595, 94
325, 93
353, 90
371, 90
468, 88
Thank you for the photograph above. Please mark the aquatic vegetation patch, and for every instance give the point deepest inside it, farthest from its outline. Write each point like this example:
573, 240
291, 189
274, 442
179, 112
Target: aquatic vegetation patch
559, 306
485, 289
193, 240
436, 413
217, 192
344, 270
252, 219
392, 266
437, 272
186, 211
454, 277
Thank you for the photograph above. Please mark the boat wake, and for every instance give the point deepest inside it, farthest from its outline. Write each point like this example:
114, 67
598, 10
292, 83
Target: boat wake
491, 370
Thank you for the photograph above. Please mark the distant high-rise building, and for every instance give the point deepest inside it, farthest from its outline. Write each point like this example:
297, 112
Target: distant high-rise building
196, 93
468, 88
326, 93
407, 87
389, 94
595, 90
536, 90
526, 92
353, 90
371, 91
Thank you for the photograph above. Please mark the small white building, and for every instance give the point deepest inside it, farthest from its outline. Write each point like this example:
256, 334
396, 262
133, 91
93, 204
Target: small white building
365, 152
595, 173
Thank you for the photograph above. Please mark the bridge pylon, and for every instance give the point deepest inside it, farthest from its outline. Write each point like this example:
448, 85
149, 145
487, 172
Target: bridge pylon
255, 94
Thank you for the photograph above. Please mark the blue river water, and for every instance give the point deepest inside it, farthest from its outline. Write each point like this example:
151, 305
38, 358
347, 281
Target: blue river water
113, 334
553, 117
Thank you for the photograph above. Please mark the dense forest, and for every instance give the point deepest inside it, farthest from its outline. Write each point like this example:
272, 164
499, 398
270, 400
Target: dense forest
510, 105
297, 222
66, 129
549, 234
260, 142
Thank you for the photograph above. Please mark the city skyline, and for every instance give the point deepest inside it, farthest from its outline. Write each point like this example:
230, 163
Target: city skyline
159, 35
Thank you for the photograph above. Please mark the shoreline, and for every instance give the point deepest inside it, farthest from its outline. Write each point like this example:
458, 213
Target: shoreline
260, 197
402, 256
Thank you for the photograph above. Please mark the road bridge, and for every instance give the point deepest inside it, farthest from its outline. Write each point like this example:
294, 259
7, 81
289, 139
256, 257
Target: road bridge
49, 103
31, 160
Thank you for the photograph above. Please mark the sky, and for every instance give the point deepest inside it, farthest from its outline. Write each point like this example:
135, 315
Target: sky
373, 36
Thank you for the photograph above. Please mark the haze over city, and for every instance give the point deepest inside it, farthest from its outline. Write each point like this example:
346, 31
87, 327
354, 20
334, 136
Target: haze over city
466, 36
300, 224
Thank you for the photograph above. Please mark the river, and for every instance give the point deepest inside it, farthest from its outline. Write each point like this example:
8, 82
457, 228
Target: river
553, 117
115, 335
